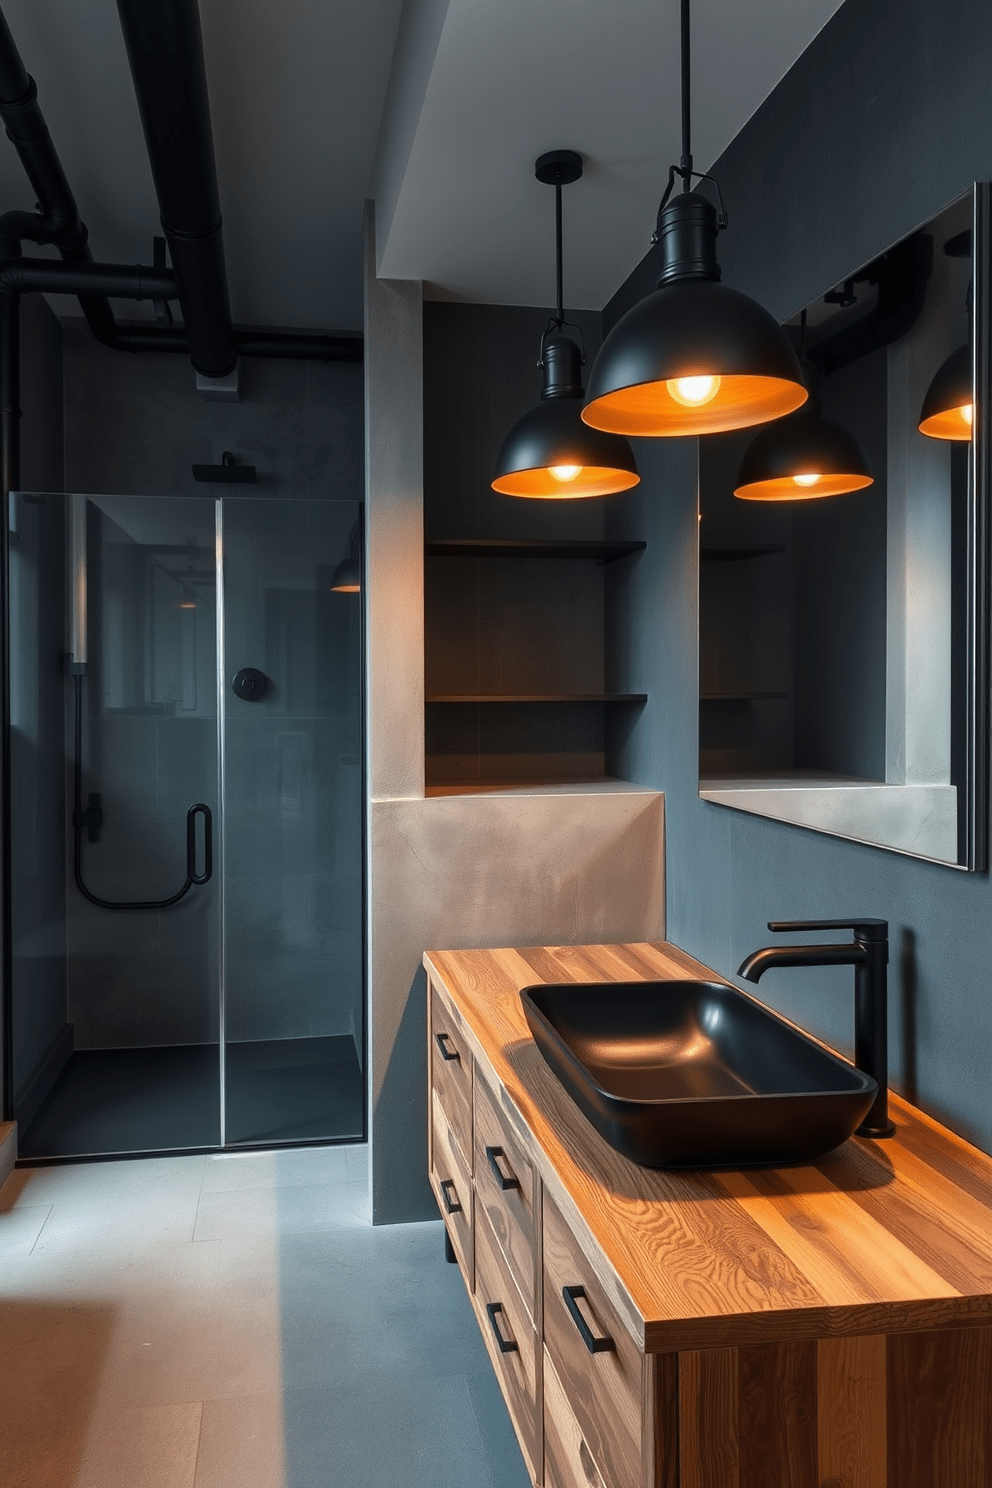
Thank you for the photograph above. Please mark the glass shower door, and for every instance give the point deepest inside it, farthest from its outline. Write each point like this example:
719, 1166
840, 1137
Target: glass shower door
121, 1052
292, 990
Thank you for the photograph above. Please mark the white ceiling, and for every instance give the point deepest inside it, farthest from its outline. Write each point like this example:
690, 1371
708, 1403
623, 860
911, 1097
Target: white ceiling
475, 91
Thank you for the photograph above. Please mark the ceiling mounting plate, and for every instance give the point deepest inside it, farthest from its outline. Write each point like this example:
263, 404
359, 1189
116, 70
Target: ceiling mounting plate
558, 167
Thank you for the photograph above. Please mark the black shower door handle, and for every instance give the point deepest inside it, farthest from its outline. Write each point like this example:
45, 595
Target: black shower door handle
208, 843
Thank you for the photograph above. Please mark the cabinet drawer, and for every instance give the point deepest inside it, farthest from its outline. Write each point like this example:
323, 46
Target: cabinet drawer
453, 1190
504, 1189
510, 1339
567, 1460
451, 1074
591, 1350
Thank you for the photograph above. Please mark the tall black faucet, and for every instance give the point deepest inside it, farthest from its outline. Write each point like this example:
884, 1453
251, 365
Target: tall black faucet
869, 955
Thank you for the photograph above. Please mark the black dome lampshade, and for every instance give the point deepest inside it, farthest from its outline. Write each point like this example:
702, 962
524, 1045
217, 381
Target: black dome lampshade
803, 456
694, 357
949, 407
347, 576
550, 454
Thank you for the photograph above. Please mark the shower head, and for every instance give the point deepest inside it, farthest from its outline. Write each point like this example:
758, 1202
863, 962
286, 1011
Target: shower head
227, 470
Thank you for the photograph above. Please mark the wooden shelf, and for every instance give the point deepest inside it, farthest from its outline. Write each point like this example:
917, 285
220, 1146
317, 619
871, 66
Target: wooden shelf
598, 550
735, 555
739, 697
538, 697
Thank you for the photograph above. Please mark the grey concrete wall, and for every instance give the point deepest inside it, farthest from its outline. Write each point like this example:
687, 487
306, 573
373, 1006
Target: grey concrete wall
543, 866
882, 121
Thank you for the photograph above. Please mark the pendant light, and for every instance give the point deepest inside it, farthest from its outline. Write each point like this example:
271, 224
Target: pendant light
347, 576
694, 357
949, 407
804, 455
948, 410
550, 453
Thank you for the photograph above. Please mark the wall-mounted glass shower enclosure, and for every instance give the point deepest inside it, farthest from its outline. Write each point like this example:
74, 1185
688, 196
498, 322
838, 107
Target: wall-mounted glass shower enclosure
186, 819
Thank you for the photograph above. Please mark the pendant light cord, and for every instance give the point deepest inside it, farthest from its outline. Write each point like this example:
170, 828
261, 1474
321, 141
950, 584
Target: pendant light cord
685, 165
560, 311
684, 168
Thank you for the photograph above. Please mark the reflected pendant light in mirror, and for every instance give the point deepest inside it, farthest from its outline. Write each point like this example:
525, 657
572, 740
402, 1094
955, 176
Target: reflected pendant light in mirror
949, 407
694, 357
347, 576
804, 455
550, 454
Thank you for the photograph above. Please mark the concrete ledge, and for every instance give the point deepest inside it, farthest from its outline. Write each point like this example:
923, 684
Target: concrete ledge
917, 819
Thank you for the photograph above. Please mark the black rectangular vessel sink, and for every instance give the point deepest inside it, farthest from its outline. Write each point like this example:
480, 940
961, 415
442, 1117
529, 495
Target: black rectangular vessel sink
691, 1074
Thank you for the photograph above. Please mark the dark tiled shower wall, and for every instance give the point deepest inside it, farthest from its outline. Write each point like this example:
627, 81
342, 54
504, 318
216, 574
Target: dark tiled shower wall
37, 750
135, 425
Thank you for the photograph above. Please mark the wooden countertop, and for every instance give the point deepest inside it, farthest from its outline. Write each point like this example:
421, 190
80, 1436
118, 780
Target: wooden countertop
878, 1237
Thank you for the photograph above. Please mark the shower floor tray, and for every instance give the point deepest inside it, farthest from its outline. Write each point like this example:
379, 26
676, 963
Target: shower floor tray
130, 1101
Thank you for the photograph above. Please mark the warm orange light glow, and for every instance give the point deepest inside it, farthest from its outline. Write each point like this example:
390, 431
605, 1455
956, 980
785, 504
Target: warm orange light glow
650, 408
801, 488
186, 604
565, 472
693, 392
346, 589
545, 484
952, 423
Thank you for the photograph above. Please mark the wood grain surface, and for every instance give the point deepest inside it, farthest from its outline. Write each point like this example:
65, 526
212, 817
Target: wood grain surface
604, 1388
520, 1378
510, 1211
878, 1238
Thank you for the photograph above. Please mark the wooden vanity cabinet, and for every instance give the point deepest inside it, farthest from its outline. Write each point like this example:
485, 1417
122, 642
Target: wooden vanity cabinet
820, 1327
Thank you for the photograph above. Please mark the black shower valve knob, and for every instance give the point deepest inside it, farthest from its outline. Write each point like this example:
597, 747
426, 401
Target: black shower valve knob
249, 684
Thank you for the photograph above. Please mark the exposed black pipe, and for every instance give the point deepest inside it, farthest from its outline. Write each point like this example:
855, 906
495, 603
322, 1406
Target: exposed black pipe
318, 346
58, 222
57, 219
165, 51
124, 281
901, 277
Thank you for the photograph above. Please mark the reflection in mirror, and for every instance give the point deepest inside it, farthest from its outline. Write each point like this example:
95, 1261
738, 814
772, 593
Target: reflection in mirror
842, 642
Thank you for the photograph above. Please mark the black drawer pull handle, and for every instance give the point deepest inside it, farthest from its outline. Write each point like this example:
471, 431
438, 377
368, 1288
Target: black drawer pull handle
452, 1205
604, 1345
505, 1345
505, 1181
443, 1039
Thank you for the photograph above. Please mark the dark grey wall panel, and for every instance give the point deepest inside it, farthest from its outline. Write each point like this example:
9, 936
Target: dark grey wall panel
134, 425
882, 121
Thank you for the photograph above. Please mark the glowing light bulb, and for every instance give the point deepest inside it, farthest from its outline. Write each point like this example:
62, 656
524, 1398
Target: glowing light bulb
565, 472
806, 480
967, 413
693, 392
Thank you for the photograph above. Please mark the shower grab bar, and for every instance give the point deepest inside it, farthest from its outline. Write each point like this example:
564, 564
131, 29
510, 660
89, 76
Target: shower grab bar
79, 821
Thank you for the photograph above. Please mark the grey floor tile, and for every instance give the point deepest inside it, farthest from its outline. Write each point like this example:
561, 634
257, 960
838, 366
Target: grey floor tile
241, 1443
295, 1167
118, 1224
360, 1302
21, 1227
301, 1207
410, 1430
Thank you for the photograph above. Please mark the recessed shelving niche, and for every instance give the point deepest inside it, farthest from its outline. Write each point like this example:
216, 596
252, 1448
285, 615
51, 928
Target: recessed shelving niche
519, 689
515, 661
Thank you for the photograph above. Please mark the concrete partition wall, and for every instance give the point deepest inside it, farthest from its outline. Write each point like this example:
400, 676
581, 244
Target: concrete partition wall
556, 865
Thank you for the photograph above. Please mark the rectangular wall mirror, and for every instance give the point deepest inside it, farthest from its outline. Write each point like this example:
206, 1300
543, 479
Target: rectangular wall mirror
843, 640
